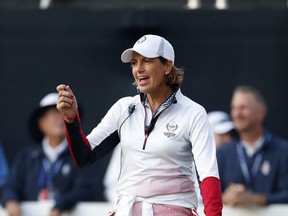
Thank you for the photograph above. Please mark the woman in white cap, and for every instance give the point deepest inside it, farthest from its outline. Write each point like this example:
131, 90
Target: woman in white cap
45, 172
160, 132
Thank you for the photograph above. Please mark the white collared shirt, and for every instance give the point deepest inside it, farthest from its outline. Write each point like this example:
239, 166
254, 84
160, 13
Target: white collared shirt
251, 148
53, 153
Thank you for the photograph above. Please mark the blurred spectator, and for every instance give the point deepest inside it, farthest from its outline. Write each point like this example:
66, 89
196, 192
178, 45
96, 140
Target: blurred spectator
47, 171
3, 169
253, 169
223, 127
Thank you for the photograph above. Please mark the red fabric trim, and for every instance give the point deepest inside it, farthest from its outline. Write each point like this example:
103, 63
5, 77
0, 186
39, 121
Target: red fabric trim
82, 133
212, 196
70, 148
83, 137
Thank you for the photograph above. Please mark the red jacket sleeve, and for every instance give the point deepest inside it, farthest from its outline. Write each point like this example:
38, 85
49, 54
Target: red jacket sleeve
212, 196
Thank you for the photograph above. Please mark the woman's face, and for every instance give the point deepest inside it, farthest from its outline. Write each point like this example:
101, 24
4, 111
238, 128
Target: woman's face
149, 73
51, 124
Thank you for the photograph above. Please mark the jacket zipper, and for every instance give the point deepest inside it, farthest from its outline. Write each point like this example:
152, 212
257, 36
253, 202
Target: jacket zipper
150, 128
145, 132
145, 141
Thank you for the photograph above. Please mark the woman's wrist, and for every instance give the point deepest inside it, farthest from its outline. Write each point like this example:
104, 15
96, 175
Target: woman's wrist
70, 119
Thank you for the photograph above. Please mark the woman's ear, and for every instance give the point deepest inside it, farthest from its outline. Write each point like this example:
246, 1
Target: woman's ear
168, 66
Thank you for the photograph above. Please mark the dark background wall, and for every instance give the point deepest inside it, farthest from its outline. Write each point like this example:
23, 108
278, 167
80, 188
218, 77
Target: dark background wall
82, 47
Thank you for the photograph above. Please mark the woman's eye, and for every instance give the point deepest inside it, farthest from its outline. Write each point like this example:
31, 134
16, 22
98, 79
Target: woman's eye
133, 63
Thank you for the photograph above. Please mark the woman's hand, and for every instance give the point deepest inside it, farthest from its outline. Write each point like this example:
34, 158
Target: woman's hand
67, 103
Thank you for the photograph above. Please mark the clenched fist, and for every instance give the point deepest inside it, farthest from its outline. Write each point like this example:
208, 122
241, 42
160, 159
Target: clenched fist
67, 103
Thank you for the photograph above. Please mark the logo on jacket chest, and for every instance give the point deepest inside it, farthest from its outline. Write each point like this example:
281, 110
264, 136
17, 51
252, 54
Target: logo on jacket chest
171, 127
265, 168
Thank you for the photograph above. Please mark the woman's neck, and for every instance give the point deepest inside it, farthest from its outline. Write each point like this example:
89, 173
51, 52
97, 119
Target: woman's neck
155, 100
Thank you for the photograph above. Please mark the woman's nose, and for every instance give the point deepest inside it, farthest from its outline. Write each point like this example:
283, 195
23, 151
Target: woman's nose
140, 68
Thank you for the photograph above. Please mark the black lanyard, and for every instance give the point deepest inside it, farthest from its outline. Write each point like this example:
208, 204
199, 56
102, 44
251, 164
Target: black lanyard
244, 166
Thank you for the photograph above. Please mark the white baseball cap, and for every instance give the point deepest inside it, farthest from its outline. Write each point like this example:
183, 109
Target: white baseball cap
220, 122
150, 46
49, 100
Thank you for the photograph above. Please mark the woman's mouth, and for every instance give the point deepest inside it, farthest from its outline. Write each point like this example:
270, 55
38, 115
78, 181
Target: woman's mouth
143, 80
